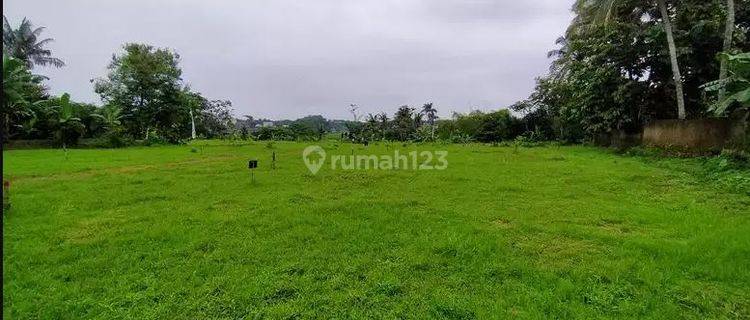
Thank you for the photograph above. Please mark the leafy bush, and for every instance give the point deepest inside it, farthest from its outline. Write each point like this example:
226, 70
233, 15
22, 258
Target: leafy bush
155, 140
424, 134
730, 170
275, 133
460, 138
113, 139
524, 141
737, 85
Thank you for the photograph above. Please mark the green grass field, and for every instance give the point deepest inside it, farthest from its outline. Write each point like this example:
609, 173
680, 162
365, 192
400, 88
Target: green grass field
553, 232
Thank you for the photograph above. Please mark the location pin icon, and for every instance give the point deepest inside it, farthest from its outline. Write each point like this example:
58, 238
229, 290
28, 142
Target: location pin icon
314, 157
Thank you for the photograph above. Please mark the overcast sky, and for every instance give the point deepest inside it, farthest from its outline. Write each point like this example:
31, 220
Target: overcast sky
291, 58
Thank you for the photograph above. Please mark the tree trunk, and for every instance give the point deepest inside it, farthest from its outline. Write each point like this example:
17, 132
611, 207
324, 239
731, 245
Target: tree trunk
673, 59
6, 128
728, 36
192, 121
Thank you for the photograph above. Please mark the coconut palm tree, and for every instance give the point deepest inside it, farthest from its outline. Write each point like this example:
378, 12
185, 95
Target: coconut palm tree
728, 37
23, 43
431, 113
111, 116
353, 110
603, 10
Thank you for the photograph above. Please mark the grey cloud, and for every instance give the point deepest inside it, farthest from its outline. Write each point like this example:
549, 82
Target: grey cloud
286, 58
483, 11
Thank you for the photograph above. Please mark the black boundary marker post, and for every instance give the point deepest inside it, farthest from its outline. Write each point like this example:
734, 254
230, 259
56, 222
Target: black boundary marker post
252, 165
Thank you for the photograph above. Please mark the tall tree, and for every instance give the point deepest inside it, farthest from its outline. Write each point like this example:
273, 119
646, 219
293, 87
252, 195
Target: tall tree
20, 90
217, 118
23, 43
403, 123
371, 125
728, 37
431, 113
146, 83
383, 124
604, 10
353, 110
666, 20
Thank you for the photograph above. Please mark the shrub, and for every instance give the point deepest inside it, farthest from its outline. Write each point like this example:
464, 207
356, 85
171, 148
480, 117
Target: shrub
275, 133
155, 140
113, 139
460, 138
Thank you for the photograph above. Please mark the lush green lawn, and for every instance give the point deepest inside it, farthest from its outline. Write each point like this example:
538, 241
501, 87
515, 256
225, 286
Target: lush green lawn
568, 232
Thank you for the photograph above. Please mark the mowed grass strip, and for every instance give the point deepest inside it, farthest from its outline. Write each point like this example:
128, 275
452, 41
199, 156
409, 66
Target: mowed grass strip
180, 232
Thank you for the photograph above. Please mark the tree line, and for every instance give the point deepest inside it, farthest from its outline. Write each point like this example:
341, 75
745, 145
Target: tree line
424, 125
143, 93
624, 63
619, 65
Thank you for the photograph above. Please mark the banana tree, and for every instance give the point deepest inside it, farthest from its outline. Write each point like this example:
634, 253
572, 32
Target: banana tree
736, 84
68, 126
111, 116
28, 128
16, 83
728, 37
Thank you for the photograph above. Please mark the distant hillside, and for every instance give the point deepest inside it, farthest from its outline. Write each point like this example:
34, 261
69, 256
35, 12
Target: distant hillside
313, 122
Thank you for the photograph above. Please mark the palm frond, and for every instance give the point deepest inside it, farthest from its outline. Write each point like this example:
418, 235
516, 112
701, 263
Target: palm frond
43, 43
38, 31
22, 43
44, 61
602, 9
742, 97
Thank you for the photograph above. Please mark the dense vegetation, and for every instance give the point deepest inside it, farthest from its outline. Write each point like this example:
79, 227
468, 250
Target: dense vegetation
613, 69
144, 97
